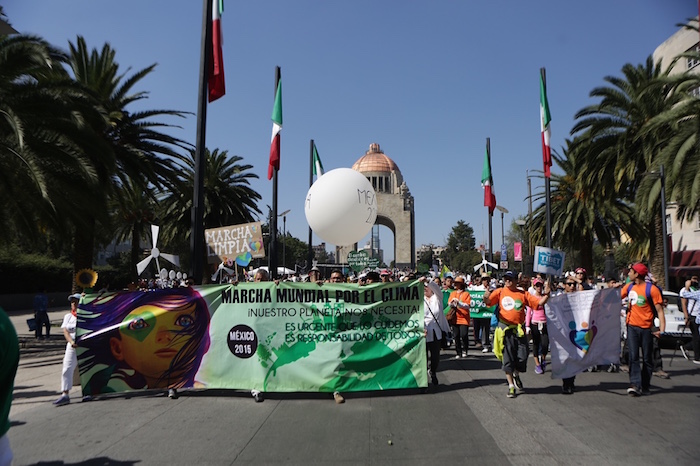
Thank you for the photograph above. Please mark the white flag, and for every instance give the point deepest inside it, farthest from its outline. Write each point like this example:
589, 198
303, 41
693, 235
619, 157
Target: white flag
584, 330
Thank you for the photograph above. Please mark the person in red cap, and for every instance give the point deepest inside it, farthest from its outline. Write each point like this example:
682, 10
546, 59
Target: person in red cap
581, 278
640, 320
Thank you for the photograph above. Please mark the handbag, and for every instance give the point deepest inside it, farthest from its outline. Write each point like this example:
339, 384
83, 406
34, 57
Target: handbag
451, 315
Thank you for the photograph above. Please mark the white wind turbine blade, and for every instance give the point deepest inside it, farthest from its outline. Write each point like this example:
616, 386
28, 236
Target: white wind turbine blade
141, 266
173, 259
478, 266
154, 235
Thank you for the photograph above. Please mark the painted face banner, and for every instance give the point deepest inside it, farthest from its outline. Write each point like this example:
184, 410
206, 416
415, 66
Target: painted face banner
584, 330
275, 338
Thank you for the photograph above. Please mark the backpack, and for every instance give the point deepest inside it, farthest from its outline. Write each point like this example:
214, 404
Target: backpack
648, 294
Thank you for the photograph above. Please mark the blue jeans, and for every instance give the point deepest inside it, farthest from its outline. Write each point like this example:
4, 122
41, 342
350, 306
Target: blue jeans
640, 337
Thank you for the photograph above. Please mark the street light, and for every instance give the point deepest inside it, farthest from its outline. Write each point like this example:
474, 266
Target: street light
503, 210
521, 223
664, 232
284, 235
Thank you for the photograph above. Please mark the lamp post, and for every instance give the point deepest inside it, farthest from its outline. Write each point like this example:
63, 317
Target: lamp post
503, 210
521, 223
284, 235
660, 174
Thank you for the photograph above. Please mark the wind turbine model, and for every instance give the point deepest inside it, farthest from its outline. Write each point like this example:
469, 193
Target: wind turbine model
484, 262
155, 254
218, 271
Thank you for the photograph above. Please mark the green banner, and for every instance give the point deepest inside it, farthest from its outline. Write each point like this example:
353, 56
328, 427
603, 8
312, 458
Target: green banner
478, 309
275, 338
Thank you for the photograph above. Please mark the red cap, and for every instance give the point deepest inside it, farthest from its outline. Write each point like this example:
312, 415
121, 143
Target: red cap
581, 269
641, 269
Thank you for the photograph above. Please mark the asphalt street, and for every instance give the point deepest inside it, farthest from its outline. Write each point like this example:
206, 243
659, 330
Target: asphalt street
467, 419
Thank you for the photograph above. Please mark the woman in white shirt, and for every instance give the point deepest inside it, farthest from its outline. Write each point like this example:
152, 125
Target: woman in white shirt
435, 326
70, 359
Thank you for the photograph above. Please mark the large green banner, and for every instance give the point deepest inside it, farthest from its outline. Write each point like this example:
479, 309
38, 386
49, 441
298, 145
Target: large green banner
276, 338
478, 309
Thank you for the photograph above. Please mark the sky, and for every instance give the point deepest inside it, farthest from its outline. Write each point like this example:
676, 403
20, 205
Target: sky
428, 81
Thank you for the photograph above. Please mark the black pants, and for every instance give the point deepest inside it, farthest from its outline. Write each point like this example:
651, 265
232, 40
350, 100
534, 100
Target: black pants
540, 340
461, 336
482, 327
695, 332
42, 319
432, 349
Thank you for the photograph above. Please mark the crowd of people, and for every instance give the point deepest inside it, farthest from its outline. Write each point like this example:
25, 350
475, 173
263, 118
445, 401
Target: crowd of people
517, 332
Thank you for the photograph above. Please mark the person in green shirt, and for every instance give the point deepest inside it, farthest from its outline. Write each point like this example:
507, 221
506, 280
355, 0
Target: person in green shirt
9, 360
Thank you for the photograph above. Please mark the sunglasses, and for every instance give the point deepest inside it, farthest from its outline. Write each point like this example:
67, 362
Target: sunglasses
569, 284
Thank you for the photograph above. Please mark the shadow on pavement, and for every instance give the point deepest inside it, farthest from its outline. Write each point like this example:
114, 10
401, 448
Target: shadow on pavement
101, 461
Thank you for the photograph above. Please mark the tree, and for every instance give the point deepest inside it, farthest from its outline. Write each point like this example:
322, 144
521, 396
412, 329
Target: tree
228, 197
459, 253
580, 213
136, 149
426, 256
627, 147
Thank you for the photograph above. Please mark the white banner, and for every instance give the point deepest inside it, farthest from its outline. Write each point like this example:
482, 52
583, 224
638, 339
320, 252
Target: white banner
584, 330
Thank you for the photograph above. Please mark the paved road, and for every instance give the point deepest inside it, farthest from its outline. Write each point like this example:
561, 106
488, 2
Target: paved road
468, 419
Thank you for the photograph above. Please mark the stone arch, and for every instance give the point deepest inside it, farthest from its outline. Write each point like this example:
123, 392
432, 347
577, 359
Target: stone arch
395, 206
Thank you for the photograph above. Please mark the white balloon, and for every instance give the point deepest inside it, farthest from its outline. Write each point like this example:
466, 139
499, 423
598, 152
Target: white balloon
341, 206
172, 274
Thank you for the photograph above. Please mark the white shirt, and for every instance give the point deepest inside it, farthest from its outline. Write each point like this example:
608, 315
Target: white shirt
693, 304
433, 309
70, 322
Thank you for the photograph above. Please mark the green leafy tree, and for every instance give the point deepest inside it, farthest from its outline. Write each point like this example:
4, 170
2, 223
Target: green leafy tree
459, 253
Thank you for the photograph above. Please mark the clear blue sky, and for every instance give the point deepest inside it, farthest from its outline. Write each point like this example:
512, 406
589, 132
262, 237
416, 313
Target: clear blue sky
428, 81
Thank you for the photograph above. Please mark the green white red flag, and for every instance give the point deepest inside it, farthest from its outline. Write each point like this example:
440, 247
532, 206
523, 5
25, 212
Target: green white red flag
545, 119
487, 183
276, 129
318, 166
217, 83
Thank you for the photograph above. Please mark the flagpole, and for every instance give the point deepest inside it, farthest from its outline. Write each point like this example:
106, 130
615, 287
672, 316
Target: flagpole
548, 206
488, 151
197, 217
310, 255
273, 220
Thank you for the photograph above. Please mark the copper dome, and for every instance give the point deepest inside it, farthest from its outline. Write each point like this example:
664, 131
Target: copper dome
375, 161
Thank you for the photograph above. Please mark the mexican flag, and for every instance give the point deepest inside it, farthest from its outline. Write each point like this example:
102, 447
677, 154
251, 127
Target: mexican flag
276, 129
487, 183
545, 119
318, 166
217, 84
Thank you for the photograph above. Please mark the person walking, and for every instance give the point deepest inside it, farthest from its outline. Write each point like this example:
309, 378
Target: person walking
644, 301
460, 300
691, 312
509, 342
70, 358
568, 384
41, 316
536, 325
435, 325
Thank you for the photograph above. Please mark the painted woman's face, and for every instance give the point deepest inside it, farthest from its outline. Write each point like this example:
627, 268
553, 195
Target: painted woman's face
151, 337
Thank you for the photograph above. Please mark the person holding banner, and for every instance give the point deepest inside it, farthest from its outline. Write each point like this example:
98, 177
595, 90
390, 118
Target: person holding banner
435, 325
644, 301
509, 342
460, 300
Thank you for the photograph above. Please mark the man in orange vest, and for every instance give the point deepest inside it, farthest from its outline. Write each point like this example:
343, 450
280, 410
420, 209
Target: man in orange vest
640, 320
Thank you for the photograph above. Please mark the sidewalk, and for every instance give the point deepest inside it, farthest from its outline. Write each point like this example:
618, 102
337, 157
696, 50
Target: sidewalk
467, 419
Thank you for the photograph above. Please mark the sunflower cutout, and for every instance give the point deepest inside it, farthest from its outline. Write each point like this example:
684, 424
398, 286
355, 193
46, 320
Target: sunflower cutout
86, 278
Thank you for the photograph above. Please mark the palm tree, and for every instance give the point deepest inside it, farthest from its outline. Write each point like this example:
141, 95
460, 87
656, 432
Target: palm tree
133, 211
41, 120
228, 197
626, 147
581, 214
138, 150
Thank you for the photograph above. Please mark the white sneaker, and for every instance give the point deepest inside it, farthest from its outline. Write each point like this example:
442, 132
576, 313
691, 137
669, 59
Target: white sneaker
683, 352
485, 350
458, 356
